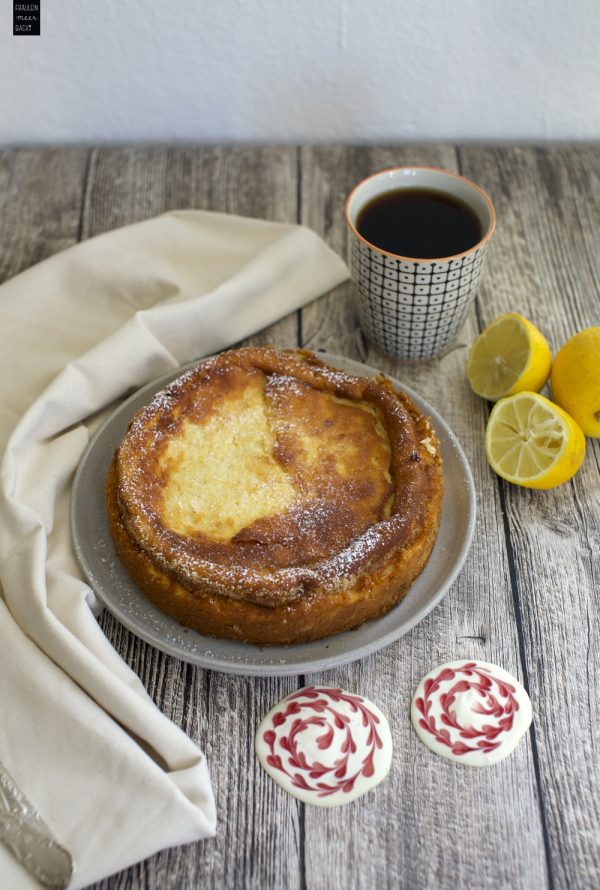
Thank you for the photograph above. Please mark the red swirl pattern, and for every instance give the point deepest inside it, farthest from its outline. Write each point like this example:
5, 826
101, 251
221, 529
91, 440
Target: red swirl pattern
498, 702
319, 704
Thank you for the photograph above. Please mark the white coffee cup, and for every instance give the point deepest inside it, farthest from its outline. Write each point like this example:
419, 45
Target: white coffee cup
412, 307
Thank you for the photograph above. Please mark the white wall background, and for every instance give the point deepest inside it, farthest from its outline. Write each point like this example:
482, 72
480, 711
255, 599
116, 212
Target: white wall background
302, 70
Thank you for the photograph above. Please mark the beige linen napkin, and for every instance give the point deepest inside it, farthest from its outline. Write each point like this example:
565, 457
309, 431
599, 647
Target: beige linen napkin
113, 778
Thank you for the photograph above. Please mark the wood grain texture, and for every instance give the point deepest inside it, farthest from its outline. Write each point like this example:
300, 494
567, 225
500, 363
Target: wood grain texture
257, 843
552, 262
527, 597
129, 184
41, 193
423, 839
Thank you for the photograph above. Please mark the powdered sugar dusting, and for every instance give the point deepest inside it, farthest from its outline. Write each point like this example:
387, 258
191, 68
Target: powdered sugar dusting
228, 568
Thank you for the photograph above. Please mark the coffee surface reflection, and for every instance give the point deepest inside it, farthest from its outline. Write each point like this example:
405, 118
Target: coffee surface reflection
419, 223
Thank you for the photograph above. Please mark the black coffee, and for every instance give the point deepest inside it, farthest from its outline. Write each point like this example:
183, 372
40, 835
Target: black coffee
419, 223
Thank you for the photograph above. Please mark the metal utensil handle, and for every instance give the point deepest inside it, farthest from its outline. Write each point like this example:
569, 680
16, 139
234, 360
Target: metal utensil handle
26, 834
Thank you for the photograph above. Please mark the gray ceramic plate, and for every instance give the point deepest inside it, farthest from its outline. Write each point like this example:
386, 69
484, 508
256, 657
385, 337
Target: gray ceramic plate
94, 548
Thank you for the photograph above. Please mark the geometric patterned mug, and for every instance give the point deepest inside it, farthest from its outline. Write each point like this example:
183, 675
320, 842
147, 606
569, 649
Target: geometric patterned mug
412, 307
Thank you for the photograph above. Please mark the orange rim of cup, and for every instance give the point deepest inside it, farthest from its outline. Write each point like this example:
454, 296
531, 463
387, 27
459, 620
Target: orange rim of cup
410, 259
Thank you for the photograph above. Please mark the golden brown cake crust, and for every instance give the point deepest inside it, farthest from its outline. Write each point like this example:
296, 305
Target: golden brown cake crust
354, 464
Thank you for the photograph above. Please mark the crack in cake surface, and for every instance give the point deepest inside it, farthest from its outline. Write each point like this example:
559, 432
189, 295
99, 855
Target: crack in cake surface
280, 464
338, 486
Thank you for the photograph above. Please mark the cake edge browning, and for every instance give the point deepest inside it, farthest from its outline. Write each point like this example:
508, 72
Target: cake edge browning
320, 614
364, 590
193, 560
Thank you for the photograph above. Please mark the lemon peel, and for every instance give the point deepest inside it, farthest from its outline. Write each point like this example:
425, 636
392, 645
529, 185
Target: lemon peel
575, 379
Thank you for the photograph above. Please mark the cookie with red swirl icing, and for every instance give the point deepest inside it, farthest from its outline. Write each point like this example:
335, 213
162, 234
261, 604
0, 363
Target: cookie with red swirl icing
472, 712
324, 745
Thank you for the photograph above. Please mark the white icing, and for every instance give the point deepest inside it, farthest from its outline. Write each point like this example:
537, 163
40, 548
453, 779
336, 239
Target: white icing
324, 745
472, 712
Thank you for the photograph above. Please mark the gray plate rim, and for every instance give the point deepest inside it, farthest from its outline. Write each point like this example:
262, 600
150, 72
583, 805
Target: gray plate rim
114, 589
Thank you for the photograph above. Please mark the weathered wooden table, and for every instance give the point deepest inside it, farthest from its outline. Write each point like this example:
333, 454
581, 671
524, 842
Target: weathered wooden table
527, 598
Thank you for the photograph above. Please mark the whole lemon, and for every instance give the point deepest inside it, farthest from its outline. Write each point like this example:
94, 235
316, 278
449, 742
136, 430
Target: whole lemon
575, 379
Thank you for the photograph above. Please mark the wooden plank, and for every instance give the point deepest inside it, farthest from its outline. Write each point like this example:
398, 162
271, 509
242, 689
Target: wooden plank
547, 264
41, 193
431, 823
130, 184
257, 840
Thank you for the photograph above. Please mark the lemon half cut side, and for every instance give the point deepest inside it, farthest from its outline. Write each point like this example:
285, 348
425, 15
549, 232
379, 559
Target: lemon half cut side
509, 356
530, 441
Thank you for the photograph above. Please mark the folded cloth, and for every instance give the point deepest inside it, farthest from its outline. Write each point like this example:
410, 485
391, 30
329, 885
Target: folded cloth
112, 777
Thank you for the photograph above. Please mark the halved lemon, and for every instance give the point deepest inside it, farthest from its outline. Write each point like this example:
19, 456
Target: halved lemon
509, 356
530, 441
